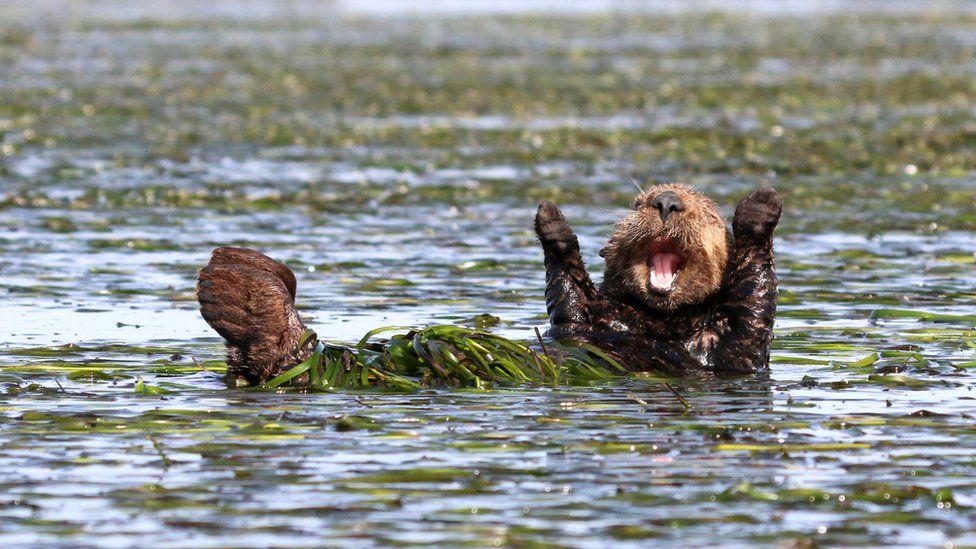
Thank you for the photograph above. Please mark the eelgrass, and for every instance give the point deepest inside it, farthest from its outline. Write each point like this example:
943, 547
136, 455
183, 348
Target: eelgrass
447, 356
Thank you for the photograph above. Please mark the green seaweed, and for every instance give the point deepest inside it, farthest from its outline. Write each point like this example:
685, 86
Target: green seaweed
451, 356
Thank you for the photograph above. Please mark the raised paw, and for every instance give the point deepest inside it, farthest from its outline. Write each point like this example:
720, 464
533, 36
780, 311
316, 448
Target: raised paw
757, 215
554, 232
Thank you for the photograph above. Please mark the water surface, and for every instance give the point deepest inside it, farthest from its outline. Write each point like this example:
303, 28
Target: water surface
394, 162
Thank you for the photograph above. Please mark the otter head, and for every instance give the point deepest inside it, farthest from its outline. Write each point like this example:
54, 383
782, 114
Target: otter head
670, 250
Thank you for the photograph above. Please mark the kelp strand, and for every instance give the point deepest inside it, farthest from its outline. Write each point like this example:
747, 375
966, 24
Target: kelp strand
446, 356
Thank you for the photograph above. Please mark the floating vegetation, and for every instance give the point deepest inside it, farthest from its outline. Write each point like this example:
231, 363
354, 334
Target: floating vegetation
448, 356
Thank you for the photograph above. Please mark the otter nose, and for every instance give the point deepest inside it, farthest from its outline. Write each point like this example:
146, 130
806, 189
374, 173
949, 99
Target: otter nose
666, 204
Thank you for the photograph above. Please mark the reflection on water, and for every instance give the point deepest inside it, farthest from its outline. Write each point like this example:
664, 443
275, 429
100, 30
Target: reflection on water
395, 164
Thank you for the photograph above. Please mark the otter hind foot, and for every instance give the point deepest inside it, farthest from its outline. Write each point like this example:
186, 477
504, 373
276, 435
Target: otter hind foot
249, 299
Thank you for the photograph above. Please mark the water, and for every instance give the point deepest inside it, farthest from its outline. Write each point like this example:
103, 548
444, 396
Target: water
395, 163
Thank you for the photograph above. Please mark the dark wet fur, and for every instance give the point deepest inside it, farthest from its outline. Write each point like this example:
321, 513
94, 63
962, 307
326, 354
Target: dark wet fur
249, 299
729, 331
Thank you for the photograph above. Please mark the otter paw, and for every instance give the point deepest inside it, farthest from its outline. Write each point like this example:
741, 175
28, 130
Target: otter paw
758, 214
553, 230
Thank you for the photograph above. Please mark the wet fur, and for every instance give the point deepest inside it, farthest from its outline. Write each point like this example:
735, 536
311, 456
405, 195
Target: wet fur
249, 299
701, 233
718, 318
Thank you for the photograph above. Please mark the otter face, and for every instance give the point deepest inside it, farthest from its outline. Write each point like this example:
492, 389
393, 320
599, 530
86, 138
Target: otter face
670, 250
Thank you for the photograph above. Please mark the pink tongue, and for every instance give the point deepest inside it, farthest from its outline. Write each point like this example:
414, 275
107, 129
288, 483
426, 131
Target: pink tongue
665, 269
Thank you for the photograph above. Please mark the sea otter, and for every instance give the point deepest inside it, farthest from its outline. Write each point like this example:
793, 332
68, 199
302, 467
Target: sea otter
681, 294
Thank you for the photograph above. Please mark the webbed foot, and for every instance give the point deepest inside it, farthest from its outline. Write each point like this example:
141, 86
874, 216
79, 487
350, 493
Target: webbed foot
249, 299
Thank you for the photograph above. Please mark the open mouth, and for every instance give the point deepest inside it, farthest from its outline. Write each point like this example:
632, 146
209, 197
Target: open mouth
666, 262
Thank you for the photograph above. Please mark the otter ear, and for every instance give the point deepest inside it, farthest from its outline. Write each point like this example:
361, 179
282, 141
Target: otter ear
603, 253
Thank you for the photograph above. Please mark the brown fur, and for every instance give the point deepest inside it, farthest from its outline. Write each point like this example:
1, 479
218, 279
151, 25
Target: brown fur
718, 314
702, 238
249, 299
